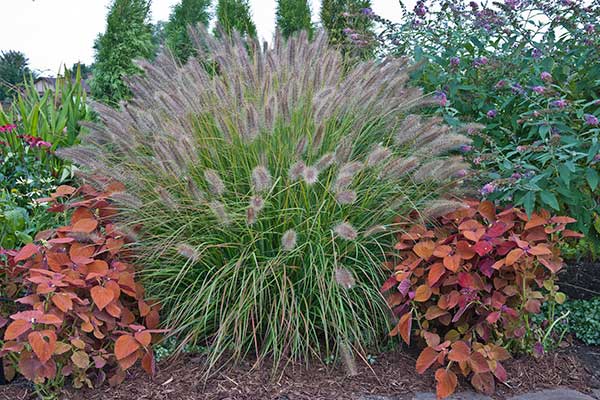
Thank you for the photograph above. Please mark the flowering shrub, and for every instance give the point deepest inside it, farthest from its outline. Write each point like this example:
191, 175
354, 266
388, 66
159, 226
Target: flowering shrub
471, 286
78, 311
266, 192
531, 81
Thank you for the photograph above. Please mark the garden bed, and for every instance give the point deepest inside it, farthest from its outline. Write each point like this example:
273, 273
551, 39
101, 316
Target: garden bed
581, 280
576, 367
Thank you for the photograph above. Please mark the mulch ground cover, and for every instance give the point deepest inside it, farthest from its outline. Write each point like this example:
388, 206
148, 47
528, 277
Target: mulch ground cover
392, 374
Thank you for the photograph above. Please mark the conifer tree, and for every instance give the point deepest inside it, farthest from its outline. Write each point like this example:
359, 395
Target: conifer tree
293, 16
234, 15
128, 36
348, 25
185, 14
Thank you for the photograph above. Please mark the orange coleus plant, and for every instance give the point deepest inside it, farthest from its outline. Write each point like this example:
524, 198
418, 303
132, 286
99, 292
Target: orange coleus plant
469, 285
81, 312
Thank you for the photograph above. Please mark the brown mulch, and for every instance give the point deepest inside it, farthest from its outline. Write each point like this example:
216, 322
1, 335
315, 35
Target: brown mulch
392, 374
580, 279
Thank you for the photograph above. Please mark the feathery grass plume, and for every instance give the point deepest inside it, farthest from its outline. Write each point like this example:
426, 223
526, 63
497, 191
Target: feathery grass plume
215, 184
189, 252
342, 182
400, 166
348, 358
346, 197
297, 170
310, 175
195, 192
220, 212
261, 179
251, 215
445, 143
282, 106
374, 230
344, 278
345, 231
166, 198
325, 162
257, 203
351, 168
126, 200
441, 207
378, 155
288, 240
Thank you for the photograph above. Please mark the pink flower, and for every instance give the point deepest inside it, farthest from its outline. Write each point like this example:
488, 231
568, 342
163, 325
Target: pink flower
591, 120
488, 188
7, 128
42, 143
441, 98
539, 89
546, 76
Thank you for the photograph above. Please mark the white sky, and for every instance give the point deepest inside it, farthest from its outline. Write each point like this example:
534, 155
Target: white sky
53, 32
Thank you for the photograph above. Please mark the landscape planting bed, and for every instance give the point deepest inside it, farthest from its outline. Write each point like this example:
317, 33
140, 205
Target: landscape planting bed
576, 367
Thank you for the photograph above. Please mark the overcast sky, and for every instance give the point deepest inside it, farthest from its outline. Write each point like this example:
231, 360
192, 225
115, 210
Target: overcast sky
53, 32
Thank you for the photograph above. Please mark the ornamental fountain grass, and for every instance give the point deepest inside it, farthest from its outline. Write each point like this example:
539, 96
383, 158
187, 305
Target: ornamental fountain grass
266, 189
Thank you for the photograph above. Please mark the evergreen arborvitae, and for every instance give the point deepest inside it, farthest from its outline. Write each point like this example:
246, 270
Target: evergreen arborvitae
128, 36
348, 25
234, 15
293, 16
185, 14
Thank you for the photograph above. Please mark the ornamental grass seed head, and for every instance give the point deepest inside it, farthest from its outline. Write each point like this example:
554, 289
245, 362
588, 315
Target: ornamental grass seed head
245, 141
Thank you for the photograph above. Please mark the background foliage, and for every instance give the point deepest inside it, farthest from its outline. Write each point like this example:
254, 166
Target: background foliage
529, 72
31, 129
14, 69
293, 16
186, 14
128, 36
234, 15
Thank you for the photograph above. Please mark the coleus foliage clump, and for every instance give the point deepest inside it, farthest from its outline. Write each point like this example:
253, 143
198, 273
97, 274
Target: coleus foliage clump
79, 310
470, 286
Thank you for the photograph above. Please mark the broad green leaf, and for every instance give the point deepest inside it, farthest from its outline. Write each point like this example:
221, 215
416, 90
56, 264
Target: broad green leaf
550, 199
592, 177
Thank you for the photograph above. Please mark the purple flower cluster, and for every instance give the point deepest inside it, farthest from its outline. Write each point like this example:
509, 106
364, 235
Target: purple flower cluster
367, 11
441, 98
538, 89
488, 188
454, 61
420, 8
591, 120
480, 61
536, 53
517, 88
560, 103
546, 76
492, 113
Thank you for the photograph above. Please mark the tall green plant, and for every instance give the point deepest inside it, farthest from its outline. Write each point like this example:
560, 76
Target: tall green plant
234, 15
347, 27
267, 192
185, 14
128, 36
52, 116
294, 16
